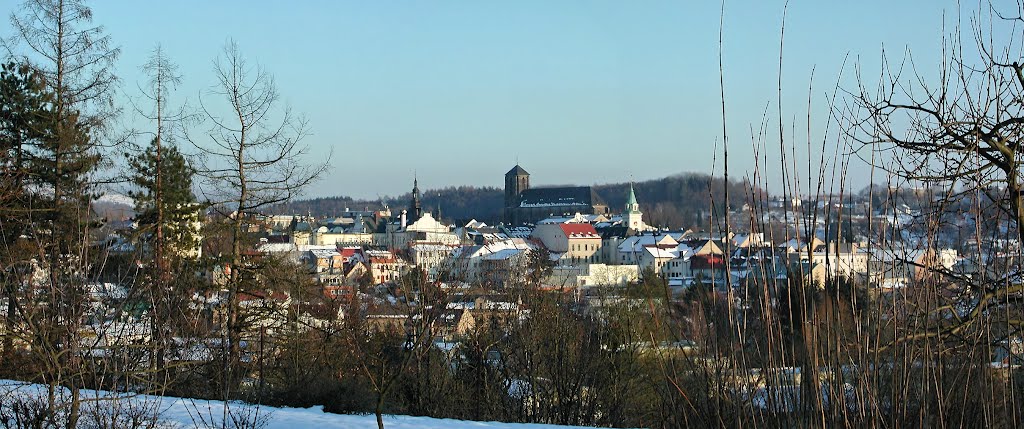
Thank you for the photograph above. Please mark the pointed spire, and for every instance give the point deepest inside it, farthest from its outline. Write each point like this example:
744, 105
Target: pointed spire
415, 206
438, 215
633, 217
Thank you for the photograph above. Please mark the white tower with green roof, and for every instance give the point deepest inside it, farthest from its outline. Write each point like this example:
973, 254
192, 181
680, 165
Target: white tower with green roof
633, 218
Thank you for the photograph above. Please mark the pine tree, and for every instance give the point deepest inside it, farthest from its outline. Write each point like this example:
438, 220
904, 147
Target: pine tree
23, 101
76, 63
172, 197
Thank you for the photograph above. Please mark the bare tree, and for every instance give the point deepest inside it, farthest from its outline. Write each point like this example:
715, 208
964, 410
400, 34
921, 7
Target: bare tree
75, 57
250, 159
962, 136
167, 213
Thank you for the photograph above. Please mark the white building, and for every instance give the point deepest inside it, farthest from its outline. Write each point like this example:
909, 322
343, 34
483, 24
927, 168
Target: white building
592, 275
426, 229
836, 259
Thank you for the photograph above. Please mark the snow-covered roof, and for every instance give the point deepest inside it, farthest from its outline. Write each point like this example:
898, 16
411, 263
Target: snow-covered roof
475, 224
305, 247
276, 247
519, 232
431, 247
427, 223
503, 254
659, 253
636, 243
485, 250
683, 251
324, 253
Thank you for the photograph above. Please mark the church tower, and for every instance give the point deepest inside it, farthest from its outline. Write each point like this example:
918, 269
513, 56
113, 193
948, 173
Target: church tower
517, 180
633, 217
415, 206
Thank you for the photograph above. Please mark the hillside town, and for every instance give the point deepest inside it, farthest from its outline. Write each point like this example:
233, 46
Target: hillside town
590, 245
437, 286
572, 244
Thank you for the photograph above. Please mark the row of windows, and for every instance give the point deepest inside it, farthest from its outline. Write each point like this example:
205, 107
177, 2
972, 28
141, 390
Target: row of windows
584, 247
591, 259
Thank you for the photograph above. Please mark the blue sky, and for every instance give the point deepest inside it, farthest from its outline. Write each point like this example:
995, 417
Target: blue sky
579, 92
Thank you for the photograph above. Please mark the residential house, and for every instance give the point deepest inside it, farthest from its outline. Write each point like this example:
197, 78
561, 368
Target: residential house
587, 275
836, 259
453, 323
433, 259
490, 263
578, 243
631, 249
897, 264
385, 266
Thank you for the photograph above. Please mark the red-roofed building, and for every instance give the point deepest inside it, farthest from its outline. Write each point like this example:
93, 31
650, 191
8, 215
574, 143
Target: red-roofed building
579, 243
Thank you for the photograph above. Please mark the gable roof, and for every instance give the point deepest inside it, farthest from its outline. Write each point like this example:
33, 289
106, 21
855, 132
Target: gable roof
578, 230
659, 253
559, 196
636, 243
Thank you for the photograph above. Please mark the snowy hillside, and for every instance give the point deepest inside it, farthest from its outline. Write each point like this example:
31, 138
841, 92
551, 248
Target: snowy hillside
191, 413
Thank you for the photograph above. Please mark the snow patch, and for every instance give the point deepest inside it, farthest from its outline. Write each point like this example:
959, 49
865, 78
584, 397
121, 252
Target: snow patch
197, 413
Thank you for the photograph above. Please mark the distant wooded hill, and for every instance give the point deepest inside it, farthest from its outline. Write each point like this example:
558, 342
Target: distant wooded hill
682, 200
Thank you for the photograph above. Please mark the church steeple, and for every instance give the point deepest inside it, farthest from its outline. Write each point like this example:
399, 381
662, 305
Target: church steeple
631, 204
415, 206
633, 217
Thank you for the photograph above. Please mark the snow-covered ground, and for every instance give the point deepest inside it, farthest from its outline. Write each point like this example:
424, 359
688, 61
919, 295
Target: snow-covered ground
193, 413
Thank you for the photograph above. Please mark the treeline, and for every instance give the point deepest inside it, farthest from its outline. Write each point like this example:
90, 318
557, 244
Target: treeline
681, 201
685, 200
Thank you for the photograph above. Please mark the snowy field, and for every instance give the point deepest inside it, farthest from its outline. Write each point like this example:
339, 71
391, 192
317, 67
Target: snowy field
184, 413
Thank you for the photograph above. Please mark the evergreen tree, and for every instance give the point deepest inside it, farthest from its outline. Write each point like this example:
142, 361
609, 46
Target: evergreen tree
23, 101
48, 157
538, 266
172, 197
75, 61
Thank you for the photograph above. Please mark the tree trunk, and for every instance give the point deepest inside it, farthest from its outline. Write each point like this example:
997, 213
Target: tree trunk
379, 411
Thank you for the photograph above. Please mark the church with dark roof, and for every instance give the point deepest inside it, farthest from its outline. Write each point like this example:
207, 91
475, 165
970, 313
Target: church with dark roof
524, 204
